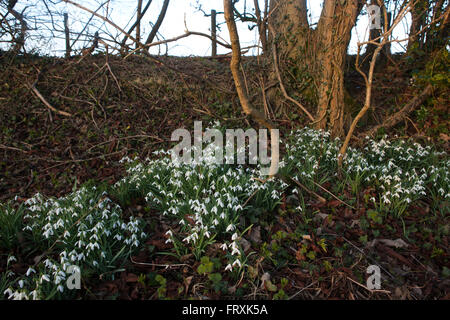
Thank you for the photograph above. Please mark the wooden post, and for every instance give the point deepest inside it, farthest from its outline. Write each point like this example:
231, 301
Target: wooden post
138, 23
66, 31
213, 33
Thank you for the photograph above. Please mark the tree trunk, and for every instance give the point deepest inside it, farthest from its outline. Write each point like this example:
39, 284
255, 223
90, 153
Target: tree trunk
138, 23
317, 54
418, 15
289, 21
158, 22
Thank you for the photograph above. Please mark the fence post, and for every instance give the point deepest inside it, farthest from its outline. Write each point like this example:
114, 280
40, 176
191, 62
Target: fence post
66, 31
213, 33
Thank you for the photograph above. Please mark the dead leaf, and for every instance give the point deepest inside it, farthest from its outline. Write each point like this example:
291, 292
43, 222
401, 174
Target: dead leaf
131, 277
186, 257
255, 235
319, 216
265, 277
299, 256
444, 137
402, 293
232, 290
398, 243
245, 244
355, 222
334, 203
187, 283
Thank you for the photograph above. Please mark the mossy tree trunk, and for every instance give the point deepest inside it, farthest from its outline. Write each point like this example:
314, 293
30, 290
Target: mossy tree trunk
314, 56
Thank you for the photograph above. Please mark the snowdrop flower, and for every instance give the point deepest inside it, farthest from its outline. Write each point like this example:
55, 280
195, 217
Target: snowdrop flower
44, 277
230, 227
9, 292
229, 267
235, 251
34, 294
29, 271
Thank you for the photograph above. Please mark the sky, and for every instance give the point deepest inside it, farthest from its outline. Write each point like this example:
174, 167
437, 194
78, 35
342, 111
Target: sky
182, 13
185, 10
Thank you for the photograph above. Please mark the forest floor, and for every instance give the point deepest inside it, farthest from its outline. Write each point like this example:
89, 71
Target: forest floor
130, 108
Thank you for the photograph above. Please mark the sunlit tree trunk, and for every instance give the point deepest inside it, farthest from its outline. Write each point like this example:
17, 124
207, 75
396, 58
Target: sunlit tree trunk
318, 52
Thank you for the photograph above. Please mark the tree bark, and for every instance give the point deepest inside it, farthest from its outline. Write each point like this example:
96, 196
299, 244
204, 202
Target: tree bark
67, 34
316, 55
418, 14
138, 23
334, 32
289, 21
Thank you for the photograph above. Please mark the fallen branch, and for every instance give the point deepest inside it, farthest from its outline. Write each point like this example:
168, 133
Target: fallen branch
320, 198
331, 194
166, 266
46, 103
2, 146
399, 116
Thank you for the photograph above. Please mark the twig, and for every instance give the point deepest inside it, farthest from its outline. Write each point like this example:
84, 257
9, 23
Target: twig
167, 266
303, 289
126, 138
251, 196
114, 77
321, 199
2, 146
82, 160
331, 194
370, 290
46, 103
